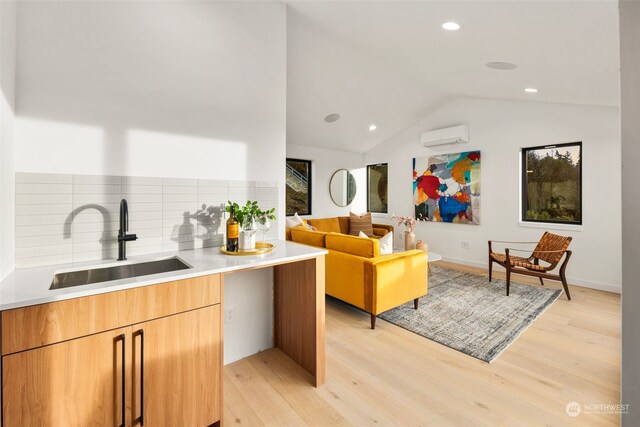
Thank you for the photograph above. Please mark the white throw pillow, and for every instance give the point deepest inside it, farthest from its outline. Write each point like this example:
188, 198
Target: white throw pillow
386, 242
294, 221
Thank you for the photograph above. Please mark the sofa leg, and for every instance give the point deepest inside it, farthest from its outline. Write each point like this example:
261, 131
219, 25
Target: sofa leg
490, 267
415, 303
508, 280
541, 281
373, 321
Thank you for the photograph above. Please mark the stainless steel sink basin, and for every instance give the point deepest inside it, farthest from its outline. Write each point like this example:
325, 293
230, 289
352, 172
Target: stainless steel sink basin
122, 271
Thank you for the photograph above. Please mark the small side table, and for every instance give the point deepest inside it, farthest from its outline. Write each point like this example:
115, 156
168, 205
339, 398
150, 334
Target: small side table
432, 257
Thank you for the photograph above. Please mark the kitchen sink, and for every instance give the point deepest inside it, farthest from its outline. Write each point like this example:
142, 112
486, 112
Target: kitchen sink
87, 276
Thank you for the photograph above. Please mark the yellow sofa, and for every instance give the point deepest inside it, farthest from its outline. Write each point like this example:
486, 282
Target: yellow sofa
356, 273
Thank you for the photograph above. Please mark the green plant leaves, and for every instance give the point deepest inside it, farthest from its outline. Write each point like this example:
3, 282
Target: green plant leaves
250, 209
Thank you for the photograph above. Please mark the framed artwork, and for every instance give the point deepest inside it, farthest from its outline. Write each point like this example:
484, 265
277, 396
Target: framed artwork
377, 188
298, 182
446, 188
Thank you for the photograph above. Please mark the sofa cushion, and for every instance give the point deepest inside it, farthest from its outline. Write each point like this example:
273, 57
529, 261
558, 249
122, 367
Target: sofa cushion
294, 221
329, 225
358, 223
386, 242
344, 224
308, 237
368, 248
379, 231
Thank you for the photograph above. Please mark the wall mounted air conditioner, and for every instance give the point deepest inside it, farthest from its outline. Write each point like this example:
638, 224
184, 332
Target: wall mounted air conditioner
446, 136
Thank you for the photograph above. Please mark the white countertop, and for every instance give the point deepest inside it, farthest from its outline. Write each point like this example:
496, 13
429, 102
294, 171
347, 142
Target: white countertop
30, 286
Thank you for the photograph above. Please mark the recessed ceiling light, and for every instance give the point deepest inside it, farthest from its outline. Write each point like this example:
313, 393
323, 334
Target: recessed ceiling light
501, 65
451, 26
372, 127
332, 118
531, 90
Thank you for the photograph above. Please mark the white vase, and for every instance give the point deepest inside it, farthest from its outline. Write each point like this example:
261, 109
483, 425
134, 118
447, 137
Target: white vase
247, 240
409, 240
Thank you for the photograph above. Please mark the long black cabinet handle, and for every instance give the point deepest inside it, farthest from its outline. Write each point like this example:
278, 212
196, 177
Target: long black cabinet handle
141, 333
122, 378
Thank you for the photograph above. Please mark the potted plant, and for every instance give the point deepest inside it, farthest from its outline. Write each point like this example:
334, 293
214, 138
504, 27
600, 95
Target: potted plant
247, 215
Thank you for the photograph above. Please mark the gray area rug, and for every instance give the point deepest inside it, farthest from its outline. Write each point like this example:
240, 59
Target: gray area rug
467, 313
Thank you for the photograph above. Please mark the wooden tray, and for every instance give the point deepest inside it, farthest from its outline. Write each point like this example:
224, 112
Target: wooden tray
261, 248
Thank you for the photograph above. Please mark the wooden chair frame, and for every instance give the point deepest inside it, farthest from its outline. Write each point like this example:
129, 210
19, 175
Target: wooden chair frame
542, 274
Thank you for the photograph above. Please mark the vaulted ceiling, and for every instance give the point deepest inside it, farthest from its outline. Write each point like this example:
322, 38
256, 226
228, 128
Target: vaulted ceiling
390, 63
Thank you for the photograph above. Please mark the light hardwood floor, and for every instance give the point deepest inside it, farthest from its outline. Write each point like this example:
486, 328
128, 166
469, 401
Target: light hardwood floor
392, 377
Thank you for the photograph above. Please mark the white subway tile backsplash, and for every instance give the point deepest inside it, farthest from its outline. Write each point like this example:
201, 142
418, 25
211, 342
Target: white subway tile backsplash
176, 189
95, 216
272, 184
141, 180
38, 230
43, 209
96, 179
35, 220
40, 188
43, 178
167, 182
142, 189
144, 207
145, 224
88, 227
213, 183
191, 198
43, 199
41, 240
135, 199
148, 216
237, 183
94, 189
95, 236
96, 198
70, 218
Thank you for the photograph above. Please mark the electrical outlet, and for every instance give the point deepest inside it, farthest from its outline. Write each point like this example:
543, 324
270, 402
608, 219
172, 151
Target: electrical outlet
228, 315
466, 244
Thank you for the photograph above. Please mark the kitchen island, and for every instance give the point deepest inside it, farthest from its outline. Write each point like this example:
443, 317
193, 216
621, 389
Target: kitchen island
148, 348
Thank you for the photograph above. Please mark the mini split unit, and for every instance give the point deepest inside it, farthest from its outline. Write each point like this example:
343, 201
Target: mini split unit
446, 136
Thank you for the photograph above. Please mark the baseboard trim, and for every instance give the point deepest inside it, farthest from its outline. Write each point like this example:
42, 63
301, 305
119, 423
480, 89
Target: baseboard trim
574, 281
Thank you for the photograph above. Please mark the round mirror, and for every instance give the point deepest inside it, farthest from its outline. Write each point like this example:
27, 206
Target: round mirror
342, 187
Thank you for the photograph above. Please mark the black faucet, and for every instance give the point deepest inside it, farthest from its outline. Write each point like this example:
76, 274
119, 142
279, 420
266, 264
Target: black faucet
123, 237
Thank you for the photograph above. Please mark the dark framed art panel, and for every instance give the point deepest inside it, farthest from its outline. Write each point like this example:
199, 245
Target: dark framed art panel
298, 187
377, 188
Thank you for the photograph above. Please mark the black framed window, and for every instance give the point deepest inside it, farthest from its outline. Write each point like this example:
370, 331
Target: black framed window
298, 180
377, 188
552, 183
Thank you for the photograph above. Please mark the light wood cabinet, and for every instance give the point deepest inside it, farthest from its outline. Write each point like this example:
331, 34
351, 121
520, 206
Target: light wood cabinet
72, 383
182, 363
167, 369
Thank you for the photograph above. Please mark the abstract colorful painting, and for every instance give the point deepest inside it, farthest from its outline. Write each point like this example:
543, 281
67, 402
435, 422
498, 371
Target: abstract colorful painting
446, 188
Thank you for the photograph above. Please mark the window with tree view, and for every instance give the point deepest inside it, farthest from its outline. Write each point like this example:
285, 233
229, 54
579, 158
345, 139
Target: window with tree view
552, 183
298, 181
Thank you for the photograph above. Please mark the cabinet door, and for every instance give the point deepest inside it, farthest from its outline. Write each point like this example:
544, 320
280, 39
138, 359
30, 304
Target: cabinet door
181, 371
74, 383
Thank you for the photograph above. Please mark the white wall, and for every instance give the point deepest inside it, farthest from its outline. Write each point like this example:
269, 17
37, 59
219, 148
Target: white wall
325, 163
499, 129
7, 142
173, 89
630, 111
